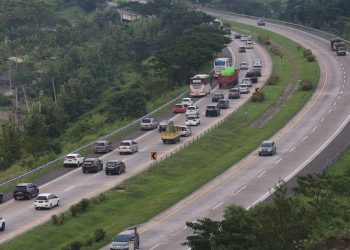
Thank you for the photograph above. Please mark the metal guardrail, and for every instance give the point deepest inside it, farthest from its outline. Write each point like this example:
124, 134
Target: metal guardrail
51, 163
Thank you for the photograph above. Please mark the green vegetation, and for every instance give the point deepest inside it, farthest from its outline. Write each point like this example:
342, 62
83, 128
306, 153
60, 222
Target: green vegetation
142, 197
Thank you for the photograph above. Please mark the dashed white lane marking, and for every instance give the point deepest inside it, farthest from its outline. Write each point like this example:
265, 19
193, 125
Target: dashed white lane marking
97, 174
154, 247
322, 119
218, 205
343, 86
280, 159
341, 92
334, 104
329, 111
239, 190
314, 128
261, 174
292, 149
69, 188
184, 227
194, 221
144, 149
125, 159
305, 137
338, 97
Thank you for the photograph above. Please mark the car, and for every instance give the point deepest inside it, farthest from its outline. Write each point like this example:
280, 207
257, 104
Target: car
237, 36
124, 239
249, 45
179, 108
25, 191
247, 81
234, 93
148, 123
252, 75
185, 131
2, 224
217, 96
115, 167
257, 63
223, 104
187, 101
74, 159
243, 66
267, 148
46, 200
92, 165
242, 49
261, 22
162, 125
243, 87
192, 110
212, 110
257, 70
103, 147
128, 147
1, 197
193, 120
244, 38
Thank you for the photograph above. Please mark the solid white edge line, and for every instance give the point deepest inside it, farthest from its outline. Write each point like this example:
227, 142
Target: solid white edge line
69, 188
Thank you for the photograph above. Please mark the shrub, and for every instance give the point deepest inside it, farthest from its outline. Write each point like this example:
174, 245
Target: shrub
267, 42
83, 205
76, 245
102, 197
275, 50
273, 80
99, 234
73, 210
54, 220
258, 96
305, 85
61, 219
307, 52
89, 242
310, 58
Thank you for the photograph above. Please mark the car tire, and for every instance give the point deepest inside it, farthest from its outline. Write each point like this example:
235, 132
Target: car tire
259, 154
2, 228
28, 196
58, 203
118, 173
15, 197
50, 206
36, 208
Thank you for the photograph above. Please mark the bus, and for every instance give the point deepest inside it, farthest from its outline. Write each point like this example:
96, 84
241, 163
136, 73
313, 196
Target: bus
200, 85
221, 63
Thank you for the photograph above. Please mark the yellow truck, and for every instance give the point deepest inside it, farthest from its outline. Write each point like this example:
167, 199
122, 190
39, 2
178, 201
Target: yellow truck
172, 134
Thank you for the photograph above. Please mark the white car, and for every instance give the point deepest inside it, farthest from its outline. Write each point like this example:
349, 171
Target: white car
192, 120
244, 38
75, 160
247, 81
2, 224
244, 66
128, 147
185, 130
46, 200
187, 101
249, 45
243, 87
257, 63
192, 110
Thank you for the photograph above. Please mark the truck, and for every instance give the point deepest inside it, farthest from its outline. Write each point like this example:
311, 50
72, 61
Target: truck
228, 78
171, 134
339, 46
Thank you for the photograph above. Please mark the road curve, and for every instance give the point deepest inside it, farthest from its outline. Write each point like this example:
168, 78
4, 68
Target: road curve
250, 181
75, 185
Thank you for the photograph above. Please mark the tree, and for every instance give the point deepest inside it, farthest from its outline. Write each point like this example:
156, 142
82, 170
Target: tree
10, 144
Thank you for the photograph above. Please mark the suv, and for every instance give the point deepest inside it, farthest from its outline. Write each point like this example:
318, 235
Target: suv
223, 104
92, 165
103, 147
122, 240
192, 110
73, 160
212, 110
253, 75
25, 191
267, 148
148, 123
261, 22
2, 224
163, 125
217, 96
128, 146
115, 167
234, 93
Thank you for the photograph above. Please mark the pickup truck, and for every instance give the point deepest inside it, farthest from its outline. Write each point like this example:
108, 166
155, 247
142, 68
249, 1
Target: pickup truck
2, 224
172, 134
75, 160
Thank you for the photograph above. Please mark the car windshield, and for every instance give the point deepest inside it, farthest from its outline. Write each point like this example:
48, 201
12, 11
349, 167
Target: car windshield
191, 108
125, 143
243, 85
219, 63
100, 144
88, 162
146, 120
41, 198
20, 188
191, 118
70, 157
266, 144
186, 100
183, 128
217, 94
222, 101
178, 106
233, 90
111, 164
122, 238
211, 107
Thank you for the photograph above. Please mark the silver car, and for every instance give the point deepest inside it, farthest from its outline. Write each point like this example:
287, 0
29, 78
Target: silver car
267, 148
185, 130
148, 123
243, 87
247, 81
244, 66
128, 146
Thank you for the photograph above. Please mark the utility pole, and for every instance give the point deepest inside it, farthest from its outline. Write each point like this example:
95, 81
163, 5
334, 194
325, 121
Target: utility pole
25, 97
54, 89
10, 71
16, 109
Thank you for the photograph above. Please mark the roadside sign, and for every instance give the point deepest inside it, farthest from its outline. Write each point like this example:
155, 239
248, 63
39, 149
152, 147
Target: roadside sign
154, 156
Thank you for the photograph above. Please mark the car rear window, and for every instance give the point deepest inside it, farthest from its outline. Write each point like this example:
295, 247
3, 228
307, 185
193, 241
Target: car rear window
178, 106
100, 144
222, 101
20, 188
125, 144
191, 108
146, 120
88, 162
70, 157
266, 144
111, 164
211, 107
122, 238
41, 198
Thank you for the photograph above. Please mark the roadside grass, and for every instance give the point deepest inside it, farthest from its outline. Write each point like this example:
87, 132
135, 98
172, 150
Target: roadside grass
140, 198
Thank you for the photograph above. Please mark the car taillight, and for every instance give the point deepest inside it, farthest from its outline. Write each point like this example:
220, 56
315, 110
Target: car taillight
46, 201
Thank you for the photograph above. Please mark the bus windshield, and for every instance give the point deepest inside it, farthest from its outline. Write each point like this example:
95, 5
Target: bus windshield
219, 63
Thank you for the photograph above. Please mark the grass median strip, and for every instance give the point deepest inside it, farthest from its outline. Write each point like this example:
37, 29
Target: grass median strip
144, 196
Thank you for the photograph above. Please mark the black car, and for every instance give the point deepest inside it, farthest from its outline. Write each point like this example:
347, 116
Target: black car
92, 165
25, 191
234, 93
115, 167
238, 36
212, 110
217, 96
253, 75
223, 104
261, 22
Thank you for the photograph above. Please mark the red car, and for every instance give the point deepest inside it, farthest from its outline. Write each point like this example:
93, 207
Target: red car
179, 108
